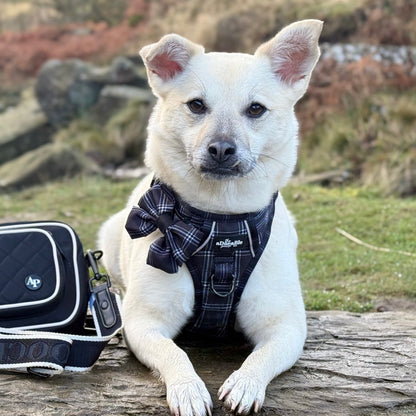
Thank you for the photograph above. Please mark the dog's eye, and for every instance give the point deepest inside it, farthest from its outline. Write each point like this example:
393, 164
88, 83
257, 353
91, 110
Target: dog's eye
255, 110
197, 106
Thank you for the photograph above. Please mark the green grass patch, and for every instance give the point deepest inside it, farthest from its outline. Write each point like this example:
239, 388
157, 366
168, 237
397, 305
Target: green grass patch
83, 203
339, 274
335, 272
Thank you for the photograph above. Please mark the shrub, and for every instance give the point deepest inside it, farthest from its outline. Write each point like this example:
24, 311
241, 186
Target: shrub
375, 139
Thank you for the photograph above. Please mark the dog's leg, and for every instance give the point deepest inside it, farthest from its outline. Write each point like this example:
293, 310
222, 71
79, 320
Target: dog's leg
271, 314
186, 393
150, 323
274, 353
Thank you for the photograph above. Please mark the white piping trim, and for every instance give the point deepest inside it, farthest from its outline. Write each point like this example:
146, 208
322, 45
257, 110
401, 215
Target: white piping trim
249, 238
207, 240
56, 263
54, 368
15, 333
74, 259
78, 369
94, 316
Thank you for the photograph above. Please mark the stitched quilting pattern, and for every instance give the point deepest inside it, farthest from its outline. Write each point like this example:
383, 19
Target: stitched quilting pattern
23, 254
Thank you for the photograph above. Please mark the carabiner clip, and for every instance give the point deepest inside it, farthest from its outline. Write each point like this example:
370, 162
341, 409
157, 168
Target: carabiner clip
92, 257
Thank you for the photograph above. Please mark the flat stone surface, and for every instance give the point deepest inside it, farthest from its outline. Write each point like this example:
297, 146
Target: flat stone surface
352, 365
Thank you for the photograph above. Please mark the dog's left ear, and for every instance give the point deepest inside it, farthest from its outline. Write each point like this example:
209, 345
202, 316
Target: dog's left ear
166, 59
293, 53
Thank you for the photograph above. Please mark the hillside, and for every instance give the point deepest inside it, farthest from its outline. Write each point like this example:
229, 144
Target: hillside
359, 102
33, 31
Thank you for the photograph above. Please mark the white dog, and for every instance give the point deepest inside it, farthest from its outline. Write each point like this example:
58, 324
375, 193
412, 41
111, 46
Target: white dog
223, 140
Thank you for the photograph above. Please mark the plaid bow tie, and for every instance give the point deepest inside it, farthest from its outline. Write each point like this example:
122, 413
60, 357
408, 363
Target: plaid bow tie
156, 210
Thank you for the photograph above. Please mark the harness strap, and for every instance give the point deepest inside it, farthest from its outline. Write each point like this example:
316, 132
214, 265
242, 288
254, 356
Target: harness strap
221, 271
220, 251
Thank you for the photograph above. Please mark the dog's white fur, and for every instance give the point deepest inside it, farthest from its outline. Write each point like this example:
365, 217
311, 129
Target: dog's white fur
157, 305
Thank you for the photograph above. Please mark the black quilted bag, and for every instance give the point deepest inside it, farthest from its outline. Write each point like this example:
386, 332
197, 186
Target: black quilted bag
45, 291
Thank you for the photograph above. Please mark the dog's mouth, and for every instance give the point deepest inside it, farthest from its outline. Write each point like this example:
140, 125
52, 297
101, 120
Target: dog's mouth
225, 171
220, 173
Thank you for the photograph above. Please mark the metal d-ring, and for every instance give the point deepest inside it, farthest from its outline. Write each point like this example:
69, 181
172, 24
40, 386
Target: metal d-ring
222, 295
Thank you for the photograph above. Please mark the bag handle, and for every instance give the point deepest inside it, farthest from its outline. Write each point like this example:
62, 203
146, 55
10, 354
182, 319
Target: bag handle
48, 353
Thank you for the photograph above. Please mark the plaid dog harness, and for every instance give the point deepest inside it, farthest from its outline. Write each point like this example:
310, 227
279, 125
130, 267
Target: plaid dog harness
219, 250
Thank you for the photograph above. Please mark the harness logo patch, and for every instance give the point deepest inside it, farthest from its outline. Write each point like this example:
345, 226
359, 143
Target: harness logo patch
33, 282
227, 243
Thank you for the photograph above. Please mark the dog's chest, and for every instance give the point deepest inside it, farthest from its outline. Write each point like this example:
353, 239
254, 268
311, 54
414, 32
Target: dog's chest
219, 250
223, 264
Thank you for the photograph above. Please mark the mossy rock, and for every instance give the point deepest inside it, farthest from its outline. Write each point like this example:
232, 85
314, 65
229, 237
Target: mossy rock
23, 128
67, 89
119, 139
47, 163
64, 91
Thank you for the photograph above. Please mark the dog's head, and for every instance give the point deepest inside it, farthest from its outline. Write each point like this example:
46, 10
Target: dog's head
226, 120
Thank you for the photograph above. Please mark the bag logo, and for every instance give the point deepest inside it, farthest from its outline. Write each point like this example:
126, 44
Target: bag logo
33, 282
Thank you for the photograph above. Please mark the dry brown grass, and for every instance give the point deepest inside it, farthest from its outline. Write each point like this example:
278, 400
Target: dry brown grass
238, 25
374, 138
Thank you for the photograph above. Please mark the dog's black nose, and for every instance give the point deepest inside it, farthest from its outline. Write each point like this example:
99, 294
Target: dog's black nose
221, 150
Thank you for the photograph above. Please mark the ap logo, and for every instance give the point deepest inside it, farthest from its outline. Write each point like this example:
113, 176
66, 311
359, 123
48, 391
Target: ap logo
33, 282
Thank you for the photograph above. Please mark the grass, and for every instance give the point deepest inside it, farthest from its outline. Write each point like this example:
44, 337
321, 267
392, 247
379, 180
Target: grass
83, 203
335, 272
339, 274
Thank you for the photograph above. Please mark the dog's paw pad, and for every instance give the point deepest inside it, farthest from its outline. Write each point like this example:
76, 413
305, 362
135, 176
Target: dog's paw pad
189, 398
242, 394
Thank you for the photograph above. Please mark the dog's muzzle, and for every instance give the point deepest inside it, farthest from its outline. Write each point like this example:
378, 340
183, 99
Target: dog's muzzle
222, 160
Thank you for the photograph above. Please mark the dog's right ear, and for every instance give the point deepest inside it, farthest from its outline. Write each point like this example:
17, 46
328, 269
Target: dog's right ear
166, 59
293, 53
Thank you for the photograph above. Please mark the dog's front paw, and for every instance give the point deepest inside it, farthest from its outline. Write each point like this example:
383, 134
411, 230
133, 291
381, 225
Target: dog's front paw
242, 393
189, 398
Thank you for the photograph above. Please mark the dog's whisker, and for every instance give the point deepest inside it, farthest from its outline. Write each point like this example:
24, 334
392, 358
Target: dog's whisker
272, 158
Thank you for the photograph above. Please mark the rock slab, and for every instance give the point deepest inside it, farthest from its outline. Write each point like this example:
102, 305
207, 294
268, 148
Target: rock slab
46, 163
23, 128
67, 89
352, 365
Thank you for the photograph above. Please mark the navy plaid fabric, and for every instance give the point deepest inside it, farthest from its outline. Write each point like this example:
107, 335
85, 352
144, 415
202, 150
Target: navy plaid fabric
221, 252
156, 210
